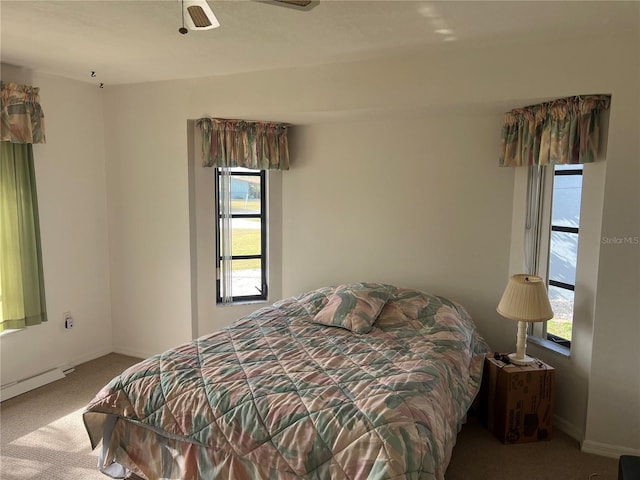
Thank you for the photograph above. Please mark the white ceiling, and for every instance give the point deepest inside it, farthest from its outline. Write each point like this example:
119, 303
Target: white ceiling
138, 41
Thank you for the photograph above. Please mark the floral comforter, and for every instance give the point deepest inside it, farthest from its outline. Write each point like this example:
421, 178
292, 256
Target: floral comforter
276, 396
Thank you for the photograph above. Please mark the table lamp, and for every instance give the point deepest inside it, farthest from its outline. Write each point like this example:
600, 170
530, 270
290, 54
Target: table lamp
524, 300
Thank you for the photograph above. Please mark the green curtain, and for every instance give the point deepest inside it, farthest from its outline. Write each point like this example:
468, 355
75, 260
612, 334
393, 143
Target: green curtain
21, 279
242, 143
560, 132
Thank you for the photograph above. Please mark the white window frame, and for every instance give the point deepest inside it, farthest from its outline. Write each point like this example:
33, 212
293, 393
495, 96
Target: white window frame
538, 227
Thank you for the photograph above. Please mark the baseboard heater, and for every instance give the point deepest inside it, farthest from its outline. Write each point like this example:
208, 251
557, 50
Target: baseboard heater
19, 387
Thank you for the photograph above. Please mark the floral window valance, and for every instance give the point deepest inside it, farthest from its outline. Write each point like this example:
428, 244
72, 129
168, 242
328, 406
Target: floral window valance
240, 143
22, 116
563, 131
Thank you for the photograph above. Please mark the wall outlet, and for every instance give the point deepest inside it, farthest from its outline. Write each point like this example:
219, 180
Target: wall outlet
68, 320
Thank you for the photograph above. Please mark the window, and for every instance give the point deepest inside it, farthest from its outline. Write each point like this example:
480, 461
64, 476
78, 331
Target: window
559, 192
563, 250
241, 237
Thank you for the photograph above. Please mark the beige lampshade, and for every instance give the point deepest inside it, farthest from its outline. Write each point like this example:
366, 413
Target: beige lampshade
525, 299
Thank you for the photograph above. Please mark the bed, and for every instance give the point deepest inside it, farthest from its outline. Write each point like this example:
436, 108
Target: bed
350, 382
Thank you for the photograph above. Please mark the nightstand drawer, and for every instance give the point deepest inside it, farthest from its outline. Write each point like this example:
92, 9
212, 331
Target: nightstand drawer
517, 401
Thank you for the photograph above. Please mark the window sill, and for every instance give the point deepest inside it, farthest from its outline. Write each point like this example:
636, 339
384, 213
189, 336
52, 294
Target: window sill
554, 347
10, 331
242, 302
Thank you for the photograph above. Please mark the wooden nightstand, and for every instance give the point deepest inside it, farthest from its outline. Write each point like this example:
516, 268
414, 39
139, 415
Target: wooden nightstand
516, 402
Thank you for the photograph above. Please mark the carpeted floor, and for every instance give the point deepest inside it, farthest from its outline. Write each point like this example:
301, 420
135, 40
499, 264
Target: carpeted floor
478, 455
42, 437
41, 432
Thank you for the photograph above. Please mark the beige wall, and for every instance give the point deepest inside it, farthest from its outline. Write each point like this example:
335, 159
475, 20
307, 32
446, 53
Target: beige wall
147, 195
614, 388
401, 200
70, 176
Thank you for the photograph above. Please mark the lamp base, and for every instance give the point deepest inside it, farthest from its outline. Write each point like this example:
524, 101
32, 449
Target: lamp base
526, 360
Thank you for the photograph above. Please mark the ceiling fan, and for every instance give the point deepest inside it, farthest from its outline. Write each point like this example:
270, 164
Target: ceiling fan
198, 15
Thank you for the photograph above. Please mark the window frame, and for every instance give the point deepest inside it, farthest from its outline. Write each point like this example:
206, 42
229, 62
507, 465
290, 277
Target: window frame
540, 202
262, 296
577, 170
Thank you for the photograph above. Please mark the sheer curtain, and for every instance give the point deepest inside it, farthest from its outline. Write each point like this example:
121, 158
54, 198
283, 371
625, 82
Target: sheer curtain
22, 296
225, 276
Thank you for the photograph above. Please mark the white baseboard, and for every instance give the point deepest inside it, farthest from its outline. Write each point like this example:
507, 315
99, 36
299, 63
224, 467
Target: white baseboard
23, 386
607, 450
131, 353
568, 428
18, 387
87, 357
589, 446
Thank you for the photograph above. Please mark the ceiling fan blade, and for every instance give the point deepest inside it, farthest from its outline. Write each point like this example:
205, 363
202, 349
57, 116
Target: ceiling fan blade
295, 4
199, 15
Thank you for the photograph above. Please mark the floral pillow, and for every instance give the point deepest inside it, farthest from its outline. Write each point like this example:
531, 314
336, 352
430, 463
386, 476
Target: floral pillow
354, 307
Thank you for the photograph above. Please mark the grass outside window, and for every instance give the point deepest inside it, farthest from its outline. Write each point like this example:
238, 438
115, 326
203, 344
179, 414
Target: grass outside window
246, 241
